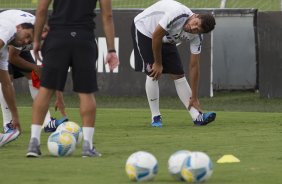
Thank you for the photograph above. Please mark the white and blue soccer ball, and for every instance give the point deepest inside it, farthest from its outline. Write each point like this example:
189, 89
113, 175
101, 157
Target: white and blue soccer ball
141, 166
72, 128
175, 163
197, 167
61, 143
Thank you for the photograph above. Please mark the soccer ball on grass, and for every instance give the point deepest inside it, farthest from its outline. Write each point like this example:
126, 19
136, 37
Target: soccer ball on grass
175, 163
61, 143
72, 128
141, 166
197, 167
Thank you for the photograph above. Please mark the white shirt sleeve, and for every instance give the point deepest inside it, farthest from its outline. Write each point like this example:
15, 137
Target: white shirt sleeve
196, 44
6, 33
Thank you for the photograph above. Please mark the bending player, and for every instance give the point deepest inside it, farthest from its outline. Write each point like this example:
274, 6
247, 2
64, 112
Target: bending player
22, 64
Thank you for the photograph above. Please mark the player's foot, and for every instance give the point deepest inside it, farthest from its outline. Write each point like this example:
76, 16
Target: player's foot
9, 135
157, 121
87, 152
205, 118
33, 148
8, 127
54, 123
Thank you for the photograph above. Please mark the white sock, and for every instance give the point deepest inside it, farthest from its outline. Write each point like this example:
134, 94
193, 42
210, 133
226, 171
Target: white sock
36, 132
6, 113
153, 95
33, 92
184, 92
88, 134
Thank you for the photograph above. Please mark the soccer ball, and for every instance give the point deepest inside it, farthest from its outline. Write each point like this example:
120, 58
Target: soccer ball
175, 163
197, 167
141, 166
61, 143
72, 128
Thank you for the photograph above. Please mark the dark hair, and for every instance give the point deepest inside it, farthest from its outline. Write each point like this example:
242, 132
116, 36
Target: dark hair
27, 26
208, 22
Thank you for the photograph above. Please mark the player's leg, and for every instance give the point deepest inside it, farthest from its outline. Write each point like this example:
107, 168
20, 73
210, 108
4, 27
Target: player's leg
53, 77
6, 113
172, 64
33, 92
184, 93
84, 77
153, 96
50, 124
143, 62
10, 133
88, 115
39, 109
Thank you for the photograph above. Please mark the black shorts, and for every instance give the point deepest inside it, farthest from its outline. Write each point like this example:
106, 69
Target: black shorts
144, 58
19, 72
70, 48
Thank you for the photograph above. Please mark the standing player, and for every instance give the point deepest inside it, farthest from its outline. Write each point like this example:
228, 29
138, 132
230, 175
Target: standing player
70, 43
16, 29
155, 33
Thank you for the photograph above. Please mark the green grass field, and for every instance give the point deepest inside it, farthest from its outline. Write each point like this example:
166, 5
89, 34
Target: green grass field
123, 127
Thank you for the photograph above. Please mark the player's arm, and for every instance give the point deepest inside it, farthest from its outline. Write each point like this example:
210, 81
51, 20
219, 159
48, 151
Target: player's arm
17, 60
41, 17
108, 23
9, 95
157, 37
109, 30
1, 44
194, 75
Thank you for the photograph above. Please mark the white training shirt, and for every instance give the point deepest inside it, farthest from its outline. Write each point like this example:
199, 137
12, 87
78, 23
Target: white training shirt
171, 16
9, 19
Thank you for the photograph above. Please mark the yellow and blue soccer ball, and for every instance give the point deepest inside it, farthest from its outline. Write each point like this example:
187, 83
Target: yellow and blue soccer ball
197, 167
61, 143
175, 163
72, 128
141, 166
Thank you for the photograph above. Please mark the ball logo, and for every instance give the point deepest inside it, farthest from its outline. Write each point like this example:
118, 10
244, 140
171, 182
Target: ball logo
65, 138
131, 172
187, 175
73, 34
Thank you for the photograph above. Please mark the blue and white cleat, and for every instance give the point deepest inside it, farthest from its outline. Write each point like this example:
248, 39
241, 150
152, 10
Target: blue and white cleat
54, 123
205, 118
157, 121
10, 135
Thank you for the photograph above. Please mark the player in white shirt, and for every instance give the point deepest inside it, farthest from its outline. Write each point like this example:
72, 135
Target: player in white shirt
16, 30
155, 33
22, 64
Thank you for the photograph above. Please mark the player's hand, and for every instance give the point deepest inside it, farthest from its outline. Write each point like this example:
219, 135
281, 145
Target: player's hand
16, 124
36, 49
156, 71
38, 70
112, 60
194, 102
60, 104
